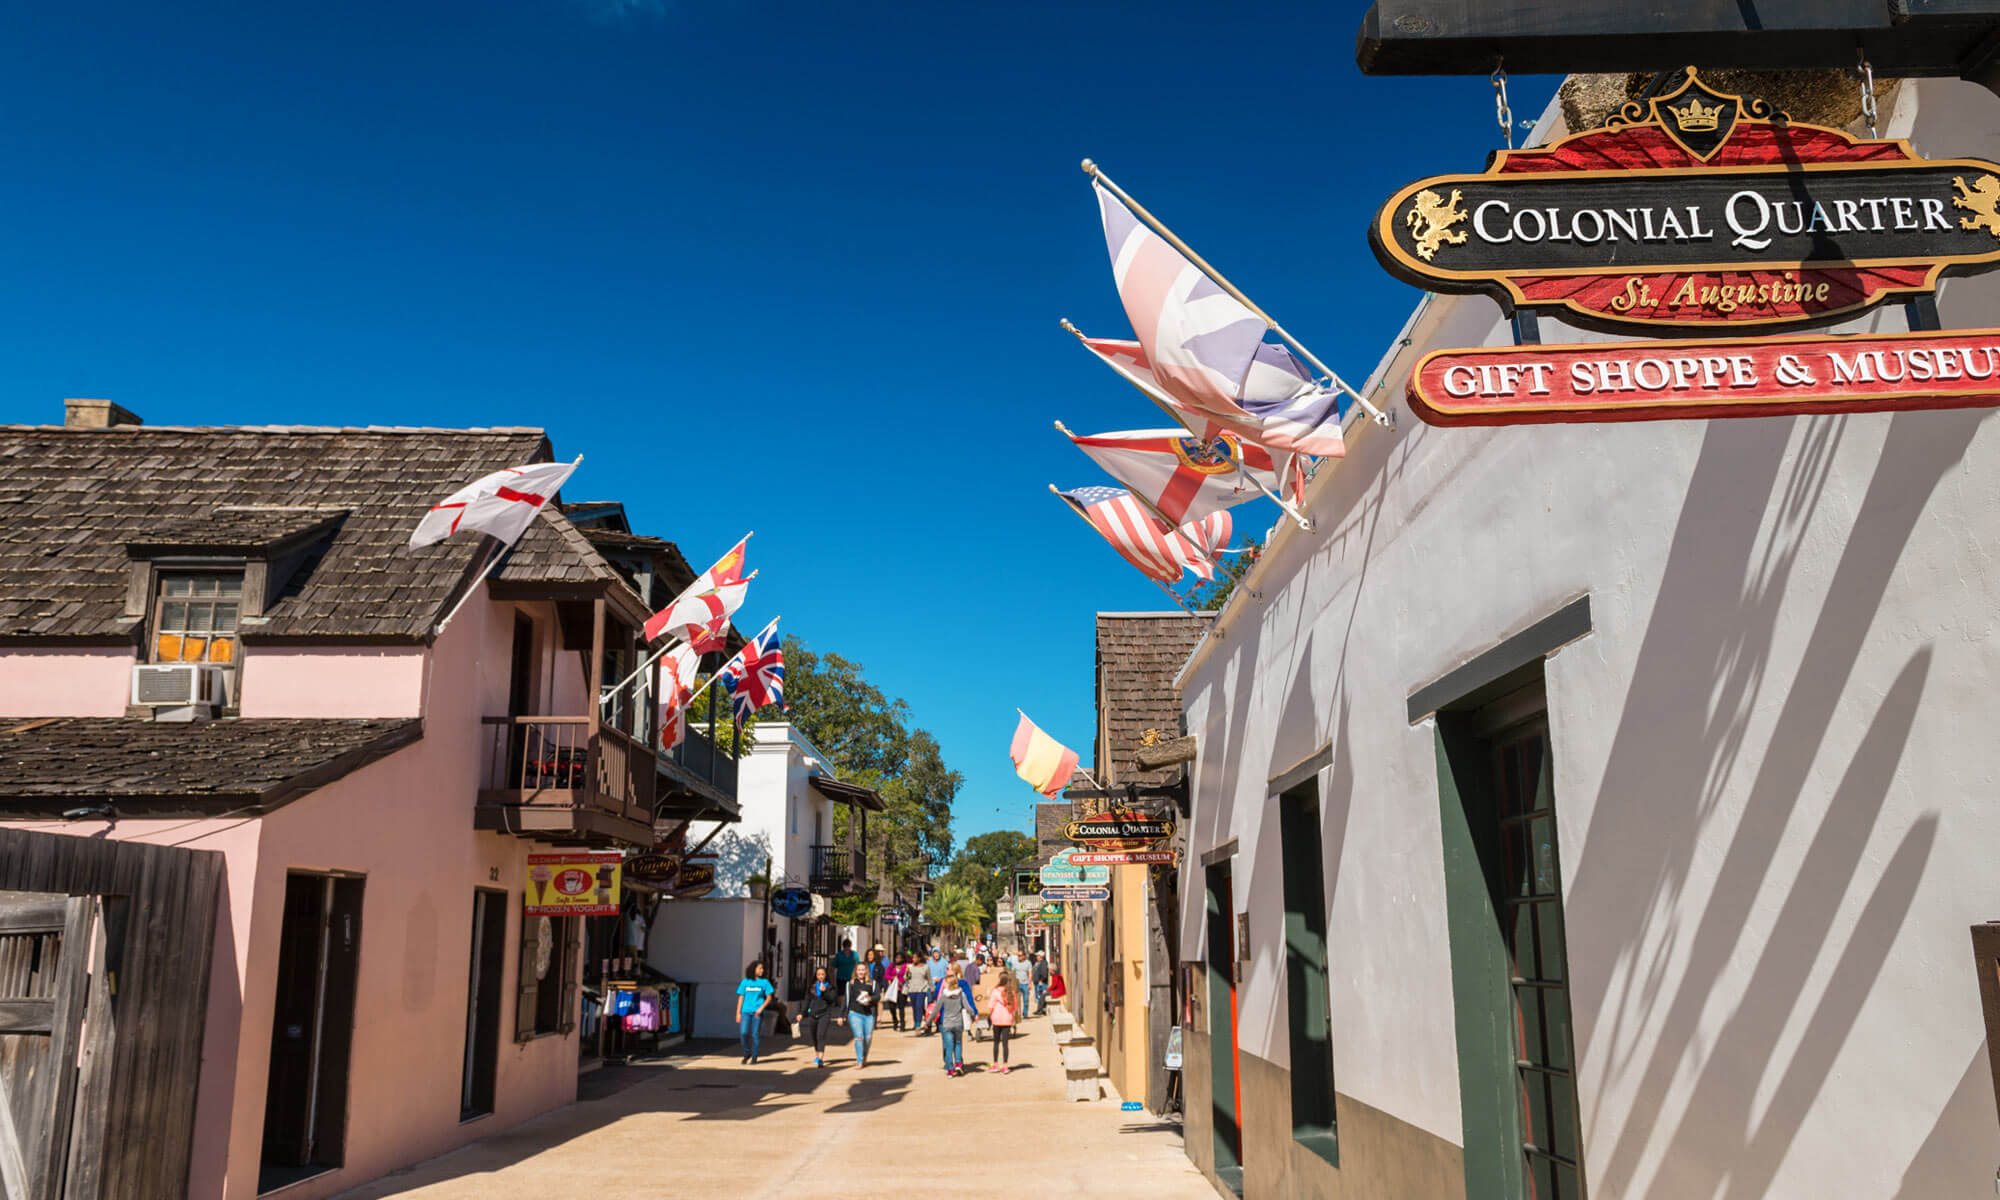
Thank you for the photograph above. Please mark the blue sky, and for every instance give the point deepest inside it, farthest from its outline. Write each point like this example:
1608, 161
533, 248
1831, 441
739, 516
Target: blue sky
791, 267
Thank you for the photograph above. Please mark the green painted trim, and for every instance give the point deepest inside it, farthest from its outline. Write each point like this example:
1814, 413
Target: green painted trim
1308, 998
1487, 676
1481, 988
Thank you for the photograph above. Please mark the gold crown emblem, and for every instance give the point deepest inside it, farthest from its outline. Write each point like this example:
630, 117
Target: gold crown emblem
1698, 117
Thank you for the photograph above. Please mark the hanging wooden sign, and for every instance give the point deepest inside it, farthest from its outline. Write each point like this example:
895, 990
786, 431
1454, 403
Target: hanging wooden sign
1119, 829
1699, 210
1723, 377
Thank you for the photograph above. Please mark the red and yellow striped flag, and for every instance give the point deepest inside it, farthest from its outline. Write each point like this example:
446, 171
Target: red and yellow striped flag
1038, 758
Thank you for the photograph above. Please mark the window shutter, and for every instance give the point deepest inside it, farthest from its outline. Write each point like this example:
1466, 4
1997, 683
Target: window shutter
572, 970
527, 993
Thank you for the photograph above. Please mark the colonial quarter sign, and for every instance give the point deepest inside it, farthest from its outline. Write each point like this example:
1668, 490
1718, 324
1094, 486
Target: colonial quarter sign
1698, 211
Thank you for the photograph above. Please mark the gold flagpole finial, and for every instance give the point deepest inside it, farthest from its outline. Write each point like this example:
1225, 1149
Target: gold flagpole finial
1089, 167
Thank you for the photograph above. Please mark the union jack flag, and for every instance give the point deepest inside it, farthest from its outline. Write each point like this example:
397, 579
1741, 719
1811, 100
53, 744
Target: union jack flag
756, 676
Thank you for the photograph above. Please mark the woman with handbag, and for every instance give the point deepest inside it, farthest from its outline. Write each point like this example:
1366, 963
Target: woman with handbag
897, 992
917, 988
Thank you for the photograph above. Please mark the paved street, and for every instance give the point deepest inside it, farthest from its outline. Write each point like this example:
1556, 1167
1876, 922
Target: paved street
782, 1128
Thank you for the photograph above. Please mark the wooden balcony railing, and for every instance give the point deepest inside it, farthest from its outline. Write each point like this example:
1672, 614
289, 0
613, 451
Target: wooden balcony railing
838, 870
555, 775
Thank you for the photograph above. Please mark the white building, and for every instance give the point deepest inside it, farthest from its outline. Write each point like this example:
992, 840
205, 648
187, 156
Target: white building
787, 793
1637, 780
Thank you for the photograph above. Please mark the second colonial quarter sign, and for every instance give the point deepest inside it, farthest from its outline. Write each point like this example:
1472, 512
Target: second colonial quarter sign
1698, 211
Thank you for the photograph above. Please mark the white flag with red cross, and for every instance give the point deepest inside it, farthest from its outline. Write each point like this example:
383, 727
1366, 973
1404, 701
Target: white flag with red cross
500, 504
700, 615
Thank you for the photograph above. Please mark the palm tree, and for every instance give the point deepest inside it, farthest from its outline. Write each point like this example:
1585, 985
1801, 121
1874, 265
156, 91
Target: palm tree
955, 908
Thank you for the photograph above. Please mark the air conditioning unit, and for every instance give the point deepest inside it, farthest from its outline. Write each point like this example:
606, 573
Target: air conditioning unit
180, 685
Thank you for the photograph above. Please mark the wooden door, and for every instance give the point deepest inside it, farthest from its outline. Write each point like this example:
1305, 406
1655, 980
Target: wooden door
1226, 1085
45, 954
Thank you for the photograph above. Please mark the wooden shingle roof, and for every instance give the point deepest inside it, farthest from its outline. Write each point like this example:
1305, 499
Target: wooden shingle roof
52, 765
73, 500
1138, 655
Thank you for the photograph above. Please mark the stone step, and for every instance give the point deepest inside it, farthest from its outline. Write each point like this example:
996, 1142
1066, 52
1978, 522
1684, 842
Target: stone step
1081, 1067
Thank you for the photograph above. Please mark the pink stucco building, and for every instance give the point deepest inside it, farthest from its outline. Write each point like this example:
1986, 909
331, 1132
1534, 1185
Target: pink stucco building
374, 786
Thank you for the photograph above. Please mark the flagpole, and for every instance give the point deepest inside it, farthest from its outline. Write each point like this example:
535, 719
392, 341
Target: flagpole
1173, 527
499, 554
1160, 401
615, 688
1178, 602
1139, 210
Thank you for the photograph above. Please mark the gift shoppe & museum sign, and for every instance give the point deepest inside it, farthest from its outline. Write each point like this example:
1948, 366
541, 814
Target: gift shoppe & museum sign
1698, 209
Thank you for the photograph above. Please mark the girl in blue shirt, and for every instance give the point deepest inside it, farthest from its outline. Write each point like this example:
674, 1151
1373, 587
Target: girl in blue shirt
751, 996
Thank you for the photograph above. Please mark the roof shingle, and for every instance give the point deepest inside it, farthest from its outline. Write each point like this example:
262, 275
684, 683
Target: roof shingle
72, 500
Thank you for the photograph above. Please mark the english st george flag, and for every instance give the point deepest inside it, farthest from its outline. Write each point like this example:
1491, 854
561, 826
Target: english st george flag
1145, 542
1203, 351
500, 504
677, 672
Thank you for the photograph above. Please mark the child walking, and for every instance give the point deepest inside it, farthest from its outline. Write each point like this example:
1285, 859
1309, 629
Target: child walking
1003, 1007
953, 1011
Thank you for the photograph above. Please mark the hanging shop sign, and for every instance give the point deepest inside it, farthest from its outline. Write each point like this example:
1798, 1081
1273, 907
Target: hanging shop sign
895, 916
1698, 210
1063, 868
694, 879
1076, 893
1734, 377
1052, 910
655, 869
791, 902
1119, 829
573, 883
1121, 857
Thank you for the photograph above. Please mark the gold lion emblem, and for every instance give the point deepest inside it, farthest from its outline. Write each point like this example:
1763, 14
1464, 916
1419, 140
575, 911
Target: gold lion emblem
1982, 200
1430, 221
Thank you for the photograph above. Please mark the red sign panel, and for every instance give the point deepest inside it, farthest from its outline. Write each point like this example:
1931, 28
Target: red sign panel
1733, 377
1090, 858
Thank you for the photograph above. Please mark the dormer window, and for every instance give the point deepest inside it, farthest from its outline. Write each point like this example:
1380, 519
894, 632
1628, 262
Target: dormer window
195, 617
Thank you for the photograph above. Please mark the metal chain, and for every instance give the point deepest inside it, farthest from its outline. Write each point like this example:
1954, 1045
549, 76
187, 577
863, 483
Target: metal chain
1868, 96
1501, 110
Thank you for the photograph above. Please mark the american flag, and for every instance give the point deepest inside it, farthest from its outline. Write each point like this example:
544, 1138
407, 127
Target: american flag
1143, 540
1205, 351
756, 676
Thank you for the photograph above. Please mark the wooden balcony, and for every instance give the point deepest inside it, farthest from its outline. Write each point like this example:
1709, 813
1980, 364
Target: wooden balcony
566, 779
838, 871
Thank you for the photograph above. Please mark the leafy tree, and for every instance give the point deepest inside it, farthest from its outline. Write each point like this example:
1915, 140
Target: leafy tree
984, 866
833, 703
855, 910
1213, 595
865, 736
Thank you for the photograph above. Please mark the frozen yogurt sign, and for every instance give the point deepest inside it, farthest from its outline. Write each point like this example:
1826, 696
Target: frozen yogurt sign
577, 883
1699, 210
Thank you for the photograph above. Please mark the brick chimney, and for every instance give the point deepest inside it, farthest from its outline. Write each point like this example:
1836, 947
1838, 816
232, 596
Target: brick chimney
97, 414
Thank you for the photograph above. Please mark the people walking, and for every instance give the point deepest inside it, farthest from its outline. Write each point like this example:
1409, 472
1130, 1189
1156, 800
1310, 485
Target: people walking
953, 1011
1041, 982
862, 999
897, 990
1003, 1008
843, 963
823, 1007
751, 996
917, 985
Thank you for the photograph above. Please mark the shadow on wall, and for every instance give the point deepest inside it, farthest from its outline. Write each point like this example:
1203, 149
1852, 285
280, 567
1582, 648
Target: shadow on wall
737, 858
1702, 670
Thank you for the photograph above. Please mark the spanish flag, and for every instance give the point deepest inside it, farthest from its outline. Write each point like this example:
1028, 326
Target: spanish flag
1038, 758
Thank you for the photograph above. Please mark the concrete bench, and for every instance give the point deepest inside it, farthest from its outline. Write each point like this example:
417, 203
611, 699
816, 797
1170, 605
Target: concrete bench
1061, 1020
1081, 1067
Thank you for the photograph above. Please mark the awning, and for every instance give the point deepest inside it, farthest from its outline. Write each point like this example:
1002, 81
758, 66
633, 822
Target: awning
849, 793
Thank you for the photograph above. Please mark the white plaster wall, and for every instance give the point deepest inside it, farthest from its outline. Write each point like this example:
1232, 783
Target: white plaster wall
1774, 763
706, 942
